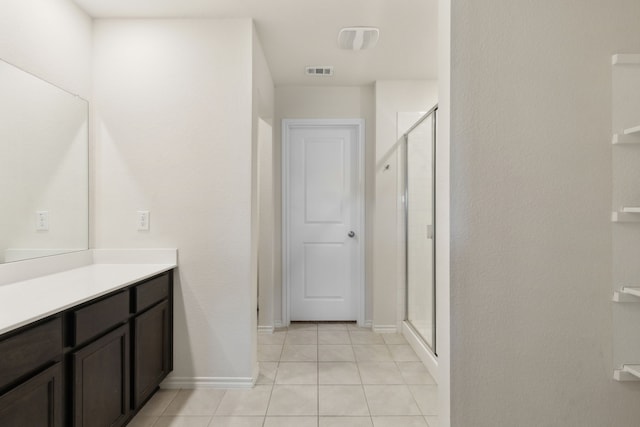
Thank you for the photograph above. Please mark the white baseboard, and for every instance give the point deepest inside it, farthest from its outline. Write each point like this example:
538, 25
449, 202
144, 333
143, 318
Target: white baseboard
424, 353
265, 329
207, 382
385, 329
278, 324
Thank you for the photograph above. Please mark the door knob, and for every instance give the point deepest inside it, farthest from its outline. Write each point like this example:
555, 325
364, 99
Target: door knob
352, 234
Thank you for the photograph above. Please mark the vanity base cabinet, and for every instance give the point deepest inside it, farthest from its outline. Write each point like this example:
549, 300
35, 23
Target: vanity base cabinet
35, 402
101, 381
91, 365
152, 351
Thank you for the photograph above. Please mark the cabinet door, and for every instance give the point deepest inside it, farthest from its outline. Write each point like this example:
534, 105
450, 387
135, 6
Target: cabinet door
151, 351
101, 381
36, 402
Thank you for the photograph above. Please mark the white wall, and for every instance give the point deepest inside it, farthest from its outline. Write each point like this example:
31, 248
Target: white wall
173, 108
379, 106
49, 38
263, 100
531, 260
306, 102
43, 166
626, 192
443, 214
391, 98
266, 236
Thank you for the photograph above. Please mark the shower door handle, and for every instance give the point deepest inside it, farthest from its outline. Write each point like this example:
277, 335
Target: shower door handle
430, 232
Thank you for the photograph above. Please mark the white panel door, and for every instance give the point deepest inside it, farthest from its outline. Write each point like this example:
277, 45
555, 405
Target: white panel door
323, 222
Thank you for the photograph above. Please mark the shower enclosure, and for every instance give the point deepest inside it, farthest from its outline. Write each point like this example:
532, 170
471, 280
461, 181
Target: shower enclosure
419, 205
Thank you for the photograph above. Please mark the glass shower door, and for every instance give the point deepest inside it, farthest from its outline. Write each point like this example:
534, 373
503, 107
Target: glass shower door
420, 227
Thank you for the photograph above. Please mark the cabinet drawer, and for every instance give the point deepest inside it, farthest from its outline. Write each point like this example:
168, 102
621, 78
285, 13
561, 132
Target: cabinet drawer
151, 292
100, 316
29, 350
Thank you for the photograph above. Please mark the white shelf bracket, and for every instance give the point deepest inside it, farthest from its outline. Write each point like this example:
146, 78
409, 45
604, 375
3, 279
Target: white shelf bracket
632, 131
625, 217
627, 373
625, 139
625, 59
627, 294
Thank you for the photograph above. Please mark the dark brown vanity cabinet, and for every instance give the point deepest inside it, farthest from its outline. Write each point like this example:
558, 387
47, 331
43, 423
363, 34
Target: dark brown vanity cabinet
93, 365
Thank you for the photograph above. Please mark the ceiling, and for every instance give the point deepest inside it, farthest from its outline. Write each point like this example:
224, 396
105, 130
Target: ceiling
299, 33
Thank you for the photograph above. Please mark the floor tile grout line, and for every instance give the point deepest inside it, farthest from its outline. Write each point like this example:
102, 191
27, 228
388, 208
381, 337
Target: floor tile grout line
220, 402
364, 393
168, 404
264, 420
404, 381
154, 422
273, 385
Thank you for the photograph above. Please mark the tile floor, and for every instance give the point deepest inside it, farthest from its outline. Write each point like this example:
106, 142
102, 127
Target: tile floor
315, 375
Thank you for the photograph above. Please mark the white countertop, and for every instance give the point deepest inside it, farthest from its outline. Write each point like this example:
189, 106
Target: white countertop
29, 300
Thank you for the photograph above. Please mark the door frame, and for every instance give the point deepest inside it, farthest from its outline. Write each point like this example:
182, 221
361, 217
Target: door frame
287, 126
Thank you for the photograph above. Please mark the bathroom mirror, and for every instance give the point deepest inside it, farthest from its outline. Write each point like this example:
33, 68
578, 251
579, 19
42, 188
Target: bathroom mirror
43, 168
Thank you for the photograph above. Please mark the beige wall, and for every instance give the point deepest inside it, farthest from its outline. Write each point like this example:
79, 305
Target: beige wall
305, 102
531, 193
391, 98
173, 134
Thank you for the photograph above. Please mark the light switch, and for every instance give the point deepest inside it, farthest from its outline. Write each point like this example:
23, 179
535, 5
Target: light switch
143, 220
42, 221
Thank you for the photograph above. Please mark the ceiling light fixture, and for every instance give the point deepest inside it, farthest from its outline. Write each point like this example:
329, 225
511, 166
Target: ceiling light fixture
358, 38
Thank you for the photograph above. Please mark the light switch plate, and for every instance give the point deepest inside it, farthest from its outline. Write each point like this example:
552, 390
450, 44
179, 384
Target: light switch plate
42, 221
143, 220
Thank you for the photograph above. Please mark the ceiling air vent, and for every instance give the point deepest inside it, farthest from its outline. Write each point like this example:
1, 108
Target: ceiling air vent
319, 70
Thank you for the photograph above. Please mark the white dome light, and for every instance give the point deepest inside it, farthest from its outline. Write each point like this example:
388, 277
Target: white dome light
358, 38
